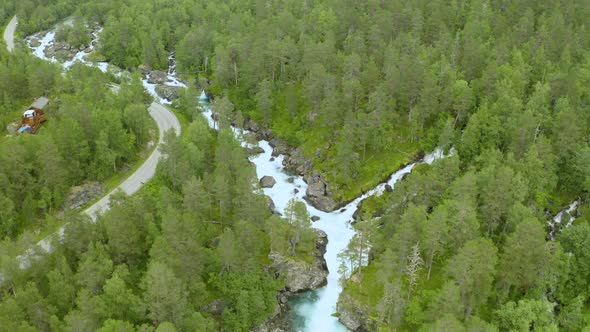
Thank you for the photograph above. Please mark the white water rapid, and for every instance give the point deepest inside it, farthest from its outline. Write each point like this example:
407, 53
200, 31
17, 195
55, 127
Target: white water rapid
565, 214
313, 311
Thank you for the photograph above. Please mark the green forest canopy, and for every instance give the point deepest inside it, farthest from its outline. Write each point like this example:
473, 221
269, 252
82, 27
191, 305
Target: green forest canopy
363, 87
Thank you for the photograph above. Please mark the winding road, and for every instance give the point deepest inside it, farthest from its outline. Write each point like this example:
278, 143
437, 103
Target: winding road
165, 120
9, 33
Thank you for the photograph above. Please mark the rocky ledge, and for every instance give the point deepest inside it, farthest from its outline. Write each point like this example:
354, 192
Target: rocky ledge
302, 276
299, 277
168, 91
350, 314
318, 191
80, 195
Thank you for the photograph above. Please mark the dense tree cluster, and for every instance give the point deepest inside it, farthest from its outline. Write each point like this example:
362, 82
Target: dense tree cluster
362, 87
90, 135
478, 219
190, 252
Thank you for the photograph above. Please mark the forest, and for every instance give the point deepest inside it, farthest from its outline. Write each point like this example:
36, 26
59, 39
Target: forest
363, 87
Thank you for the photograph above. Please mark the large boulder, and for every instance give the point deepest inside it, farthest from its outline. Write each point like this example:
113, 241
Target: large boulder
267, 181
168, 92
318, 194
279, 147
157, 77
264, 134
296, 162
35, 42
251, 126
144, 69
80, 195
301, 276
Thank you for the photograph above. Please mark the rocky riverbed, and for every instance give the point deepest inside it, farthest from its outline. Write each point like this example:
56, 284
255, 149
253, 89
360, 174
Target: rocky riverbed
318, 191
299, 277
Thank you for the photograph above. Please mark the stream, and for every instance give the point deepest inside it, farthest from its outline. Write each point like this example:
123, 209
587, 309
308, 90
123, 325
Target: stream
311, 311
567, 215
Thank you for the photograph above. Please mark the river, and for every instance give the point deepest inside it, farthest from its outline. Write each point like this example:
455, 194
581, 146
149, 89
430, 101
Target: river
311, 311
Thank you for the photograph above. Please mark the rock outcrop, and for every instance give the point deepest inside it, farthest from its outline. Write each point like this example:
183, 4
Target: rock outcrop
144, 69
279, 146
296, 162
267, 181
254, 151
168, 92
80, 195
350, 314
270, 203
35, 42
157, 77
301, 276
318, 193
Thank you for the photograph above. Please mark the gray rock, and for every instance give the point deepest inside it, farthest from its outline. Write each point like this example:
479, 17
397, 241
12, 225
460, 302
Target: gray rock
279, 147
35, 42
295, 191
301, 276
157, 77
321, 243
296, 162
315, 218
144, 69
254, 151
80, 195
270, 203
12, 127
350, 314
272, 159
168, 92
318, 195
290, 179
357, 213
264, 134
388, 188
251, 126
267, 181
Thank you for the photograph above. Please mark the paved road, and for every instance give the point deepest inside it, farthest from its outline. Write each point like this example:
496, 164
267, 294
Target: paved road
165, 120
9, 33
